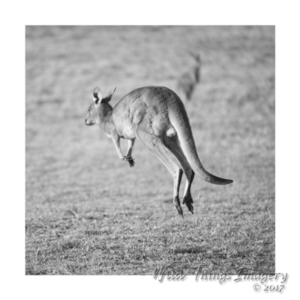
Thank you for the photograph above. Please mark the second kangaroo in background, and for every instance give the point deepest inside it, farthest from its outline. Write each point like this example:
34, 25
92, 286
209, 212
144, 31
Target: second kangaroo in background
187, 81
157, 117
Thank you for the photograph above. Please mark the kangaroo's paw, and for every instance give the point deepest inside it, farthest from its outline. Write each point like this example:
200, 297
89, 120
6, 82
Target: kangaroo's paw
177, 205
130, 160
188, 200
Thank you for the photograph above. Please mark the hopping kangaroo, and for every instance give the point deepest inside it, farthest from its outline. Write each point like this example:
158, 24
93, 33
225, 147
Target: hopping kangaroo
187, 81
157, 117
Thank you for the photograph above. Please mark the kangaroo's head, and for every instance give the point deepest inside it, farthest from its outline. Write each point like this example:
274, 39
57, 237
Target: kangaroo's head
100, 108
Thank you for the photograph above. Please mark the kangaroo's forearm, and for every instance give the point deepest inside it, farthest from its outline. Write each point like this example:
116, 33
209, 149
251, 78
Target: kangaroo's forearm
116, 141
130, 147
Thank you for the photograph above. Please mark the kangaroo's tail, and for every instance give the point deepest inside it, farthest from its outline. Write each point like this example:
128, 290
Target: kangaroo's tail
180, 122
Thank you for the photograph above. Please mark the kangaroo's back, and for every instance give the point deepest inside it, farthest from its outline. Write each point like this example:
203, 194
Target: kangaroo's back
152, 102
163, 114
149, 96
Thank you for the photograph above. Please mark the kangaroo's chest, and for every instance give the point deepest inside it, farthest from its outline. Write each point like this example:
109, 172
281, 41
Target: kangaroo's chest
130, 113
125, 122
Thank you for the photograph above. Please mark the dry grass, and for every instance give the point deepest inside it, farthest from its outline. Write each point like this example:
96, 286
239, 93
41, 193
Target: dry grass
89, 213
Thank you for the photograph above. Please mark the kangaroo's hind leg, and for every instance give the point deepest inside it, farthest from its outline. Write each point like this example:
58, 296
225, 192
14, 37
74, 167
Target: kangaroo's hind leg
128, 156
156, 145
171, 141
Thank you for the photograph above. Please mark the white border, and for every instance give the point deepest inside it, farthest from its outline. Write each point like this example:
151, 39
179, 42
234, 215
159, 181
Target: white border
20, 13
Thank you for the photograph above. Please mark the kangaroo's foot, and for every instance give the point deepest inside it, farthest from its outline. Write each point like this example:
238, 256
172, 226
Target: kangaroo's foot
188, 200
130, 160
176, 202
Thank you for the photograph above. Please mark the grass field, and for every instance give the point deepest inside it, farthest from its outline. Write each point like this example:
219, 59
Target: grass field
89, 213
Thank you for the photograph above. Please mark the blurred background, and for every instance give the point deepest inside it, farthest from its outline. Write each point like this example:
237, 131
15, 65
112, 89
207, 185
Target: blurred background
73, 170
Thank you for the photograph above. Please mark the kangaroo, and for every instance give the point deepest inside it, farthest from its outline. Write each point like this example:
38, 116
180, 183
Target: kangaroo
187, 81
157, 117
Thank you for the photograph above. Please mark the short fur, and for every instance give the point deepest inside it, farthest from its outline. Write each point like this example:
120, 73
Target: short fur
157, 117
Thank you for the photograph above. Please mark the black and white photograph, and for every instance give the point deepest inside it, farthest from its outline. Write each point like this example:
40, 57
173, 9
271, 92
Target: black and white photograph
150, 149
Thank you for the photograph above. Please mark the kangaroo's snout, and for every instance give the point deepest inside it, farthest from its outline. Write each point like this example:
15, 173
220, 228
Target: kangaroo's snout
89, 123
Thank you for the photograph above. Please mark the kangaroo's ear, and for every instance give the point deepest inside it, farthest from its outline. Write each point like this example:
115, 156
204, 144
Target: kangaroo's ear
109, 95
97, 95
